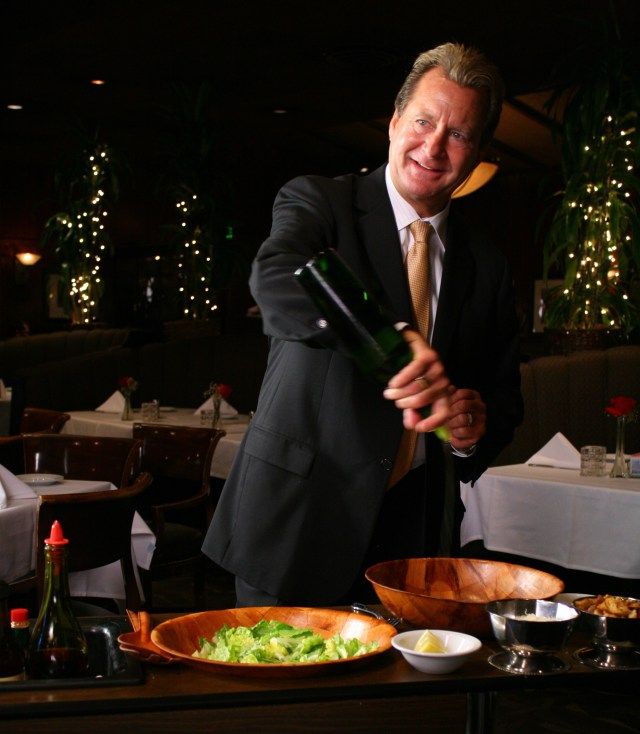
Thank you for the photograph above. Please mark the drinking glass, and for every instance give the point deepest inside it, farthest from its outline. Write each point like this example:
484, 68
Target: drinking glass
592, 461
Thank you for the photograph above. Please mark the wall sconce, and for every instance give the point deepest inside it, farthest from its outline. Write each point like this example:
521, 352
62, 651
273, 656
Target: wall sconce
481, 175
28, 258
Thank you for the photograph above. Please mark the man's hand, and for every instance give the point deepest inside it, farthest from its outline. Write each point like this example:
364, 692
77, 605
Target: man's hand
422, 382
468, 421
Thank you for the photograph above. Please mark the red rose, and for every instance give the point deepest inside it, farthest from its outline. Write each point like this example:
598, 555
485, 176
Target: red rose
224, 390
621, 405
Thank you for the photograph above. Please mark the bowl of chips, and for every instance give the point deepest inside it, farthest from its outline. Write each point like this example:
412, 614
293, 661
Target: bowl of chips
614, 623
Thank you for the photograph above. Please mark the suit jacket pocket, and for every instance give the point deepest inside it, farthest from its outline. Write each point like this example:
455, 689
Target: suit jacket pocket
279, 450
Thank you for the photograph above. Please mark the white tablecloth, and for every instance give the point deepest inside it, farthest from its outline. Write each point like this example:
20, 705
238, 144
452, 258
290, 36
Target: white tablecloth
556, 515
94, 423
17, 550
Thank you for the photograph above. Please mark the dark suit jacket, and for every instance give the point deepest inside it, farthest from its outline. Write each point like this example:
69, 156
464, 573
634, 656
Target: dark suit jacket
298, 509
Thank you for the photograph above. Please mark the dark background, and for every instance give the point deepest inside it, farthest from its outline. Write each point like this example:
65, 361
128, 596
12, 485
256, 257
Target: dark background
334, 67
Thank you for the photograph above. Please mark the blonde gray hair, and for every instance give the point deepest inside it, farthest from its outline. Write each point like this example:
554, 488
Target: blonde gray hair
466, 66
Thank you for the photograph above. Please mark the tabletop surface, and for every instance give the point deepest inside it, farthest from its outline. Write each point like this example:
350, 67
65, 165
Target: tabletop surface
385, 675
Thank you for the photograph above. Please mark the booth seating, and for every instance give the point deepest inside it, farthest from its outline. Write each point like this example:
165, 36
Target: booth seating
569, 394
21, 352
175, 372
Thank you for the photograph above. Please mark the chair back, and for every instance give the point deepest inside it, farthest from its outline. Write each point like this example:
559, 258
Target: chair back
116, 460
41, 420
98, 526
12, 453
179, 459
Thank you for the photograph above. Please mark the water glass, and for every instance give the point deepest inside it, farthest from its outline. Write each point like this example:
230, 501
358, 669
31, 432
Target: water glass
150, 411
206, 418
592, 461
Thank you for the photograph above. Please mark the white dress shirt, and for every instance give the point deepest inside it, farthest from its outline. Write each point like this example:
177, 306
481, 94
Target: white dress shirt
404, 214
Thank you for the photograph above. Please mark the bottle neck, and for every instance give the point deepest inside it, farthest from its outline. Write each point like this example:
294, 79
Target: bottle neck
56, 577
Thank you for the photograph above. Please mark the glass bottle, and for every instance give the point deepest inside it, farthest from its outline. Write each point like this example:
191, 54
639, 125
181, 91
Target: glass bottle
57, 648
361, 325
11, 658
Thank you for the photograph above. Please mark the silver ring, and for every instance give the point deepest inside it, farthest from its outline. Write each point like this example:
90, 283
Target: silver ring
469, 419
424, 380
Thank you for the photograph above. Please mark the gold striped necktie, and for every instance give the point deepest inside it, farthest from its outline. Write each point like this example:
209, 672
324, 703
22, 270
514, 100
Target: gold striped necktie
419, 278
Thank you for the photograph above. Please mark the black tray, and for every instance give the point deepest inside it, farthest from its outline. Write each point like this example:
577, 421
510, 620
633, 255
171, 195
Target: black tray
108, 665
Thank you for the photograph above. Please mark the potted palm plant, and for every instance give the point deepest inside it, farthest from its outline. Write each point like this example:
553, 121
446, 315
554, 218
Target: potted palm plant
593, 234
86, 186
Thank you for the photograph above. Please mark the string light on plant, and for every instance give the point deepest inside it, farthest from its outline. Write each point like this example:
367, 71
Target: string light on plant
194, 260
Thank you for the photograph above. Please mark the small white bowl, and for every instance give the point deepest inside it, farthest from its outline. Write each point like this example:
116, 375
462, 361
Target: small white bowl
458, 647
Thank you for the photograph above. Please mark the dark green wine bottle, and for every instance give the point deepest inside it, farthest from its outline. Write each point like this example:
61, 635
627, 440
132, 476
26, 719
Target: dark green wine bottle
58, 647
357, 318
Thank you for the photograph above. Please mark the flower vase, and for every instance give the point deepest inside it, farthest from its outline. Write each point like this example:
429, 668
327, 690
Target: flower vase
620, 467
217, 401
127, 412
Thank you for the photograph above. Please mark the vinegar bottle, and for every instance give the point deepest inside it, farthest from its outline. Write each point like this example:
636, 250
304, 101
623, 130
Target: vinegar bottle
364, 329
57, 648
11, 657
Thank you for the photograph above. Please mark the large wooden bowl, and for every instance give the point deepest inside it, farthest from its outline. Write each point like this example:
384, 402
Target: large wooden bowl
179, 638
451, 593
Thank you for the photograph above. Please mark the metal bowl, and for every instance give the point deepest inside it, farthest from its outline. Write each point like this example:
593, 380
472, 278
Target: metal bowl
616, 640
530, 631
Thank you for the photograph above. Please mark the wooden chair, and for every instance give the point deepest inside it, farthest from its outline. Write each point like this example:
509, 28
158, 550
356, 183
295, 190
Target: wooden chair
98, 526
116, 460
41, 420
178, 505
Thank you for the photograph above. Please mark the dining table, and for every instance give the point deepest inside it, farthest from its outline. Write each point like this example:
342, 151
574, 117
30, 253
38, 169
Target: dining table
99, 423
380, 694
17, 534
556, 515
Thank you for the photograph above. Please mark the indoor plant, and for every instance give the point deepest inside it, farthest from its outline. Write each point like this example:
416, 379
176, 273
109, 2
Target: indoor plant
86, 186
593, 235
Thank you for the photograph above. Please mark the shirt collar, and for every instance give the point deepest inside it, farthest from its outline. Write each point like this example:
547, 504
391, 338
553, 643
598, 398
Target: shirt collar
404, 213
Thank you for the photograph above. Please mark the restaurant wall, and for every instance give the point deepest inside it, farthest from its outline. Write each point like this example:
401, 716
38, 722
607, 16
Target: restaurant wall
508, 206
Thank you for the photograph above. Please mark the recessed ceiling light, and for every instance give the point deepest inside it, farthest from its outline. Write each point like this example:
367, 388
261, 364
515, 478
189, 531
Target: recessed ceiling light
280, 111
98, 82
14, 106
364, 169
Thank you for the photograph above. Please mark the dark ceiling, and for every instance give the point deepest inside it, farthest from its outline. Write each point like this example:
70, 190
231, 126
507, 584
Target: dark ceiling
333, 66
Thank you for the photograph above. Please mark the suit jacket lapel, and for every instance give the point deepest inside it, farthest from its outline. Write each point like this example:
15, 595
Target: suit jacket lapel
457, 275
377, 230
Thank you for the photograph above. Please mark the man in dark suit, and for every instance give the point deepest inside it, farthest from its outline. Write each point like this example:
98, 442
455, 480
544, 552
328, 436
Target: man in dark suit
309, 502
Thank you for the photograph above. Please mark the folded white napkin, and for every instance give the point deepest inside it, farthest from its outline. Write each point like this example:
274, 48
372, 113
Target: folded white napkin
558, 452
113, 404
12, 488
225, 408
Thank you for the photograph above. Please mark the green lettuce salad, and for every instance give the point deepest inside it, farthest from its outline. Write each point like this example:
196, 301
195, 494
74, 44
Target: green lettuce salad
270, 641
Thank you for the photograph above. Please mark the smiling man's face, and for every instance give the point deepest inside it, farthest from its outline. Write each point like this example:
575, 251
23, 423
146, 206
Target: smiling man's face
435, 143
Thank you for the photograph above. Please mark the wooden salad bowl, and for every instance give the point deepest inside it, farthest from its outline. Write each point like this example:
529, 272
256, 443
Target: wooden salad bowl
176, 639
451, 593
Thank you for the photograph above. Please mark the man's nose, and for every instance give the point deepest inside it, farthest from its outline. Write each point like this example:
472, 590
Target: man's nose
434, 143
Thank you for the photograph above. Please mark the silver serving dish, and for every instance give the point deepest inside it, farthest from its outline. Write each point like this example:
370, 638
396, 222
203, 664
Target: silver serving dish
530, 632
616, 640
